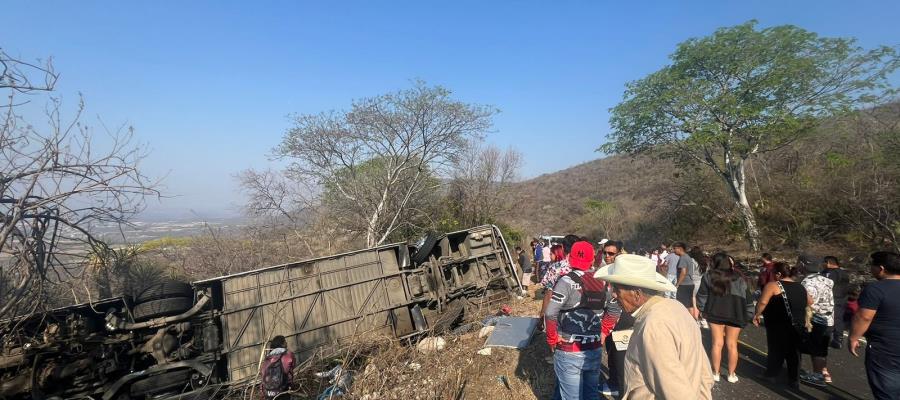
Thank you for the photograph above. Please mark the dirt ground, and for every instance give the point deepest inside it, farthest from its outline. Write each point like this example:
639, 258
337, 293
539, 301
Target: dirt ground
398, 371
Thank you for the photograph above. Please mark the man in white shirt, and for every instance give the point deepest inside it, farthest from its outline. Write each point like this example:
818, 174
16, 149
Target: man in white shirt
820, 289
669, 268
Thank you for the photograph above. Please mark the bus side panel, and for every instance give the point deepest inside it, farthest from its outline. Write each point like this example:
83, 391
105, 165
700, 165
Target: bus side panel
315, 304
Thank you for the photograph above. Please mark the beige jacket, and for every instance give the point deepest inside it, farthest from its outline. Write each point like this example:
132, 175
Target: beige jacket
665, 357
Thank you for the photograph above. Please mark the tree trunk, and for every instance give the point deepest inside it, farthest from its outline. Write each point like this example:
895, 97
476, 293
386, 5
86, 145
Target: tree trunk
370, 237
736, 181
749, 221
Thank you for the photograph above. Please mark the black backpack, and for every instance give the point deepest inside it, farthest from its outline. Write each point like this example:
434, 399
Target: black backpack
593, 292
274, 380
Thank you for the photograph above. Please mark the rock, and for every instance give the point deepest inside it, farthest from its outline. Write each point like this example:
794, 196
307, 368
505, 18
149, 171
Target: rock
430, 344
485, 351
485, 332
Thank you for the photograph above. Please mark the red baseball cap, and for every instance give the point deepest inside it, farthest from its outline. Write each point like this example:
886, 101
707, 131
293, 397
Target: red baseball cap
582, 256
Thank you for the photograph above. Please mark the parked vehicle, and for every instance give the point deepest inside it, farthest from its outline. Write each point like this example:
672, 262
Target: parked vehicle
176, 339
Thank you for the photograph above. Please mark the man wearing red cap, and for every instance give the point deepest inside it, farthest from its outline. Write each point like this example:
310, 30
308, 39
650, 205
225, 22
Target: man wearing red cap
573, 319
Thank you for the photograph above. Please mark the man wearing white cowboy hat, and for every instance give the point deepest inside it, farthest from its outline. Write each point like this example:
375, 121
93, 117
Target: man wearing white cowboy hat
665, 358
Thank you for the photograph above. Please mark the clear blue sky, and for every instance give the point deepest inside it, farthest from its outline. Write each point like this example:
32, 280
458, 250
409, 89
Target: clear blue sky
208, 85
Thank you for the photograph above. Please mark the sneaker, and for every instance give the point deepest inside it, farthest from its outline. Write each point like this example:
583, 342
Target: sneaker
732, 378
826, 376
704, 324
609, 390
813, 379
716, 377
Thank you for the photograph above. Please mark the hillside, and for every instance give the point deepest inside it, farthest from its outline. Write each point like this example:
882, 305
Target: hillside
553, 203
835, 187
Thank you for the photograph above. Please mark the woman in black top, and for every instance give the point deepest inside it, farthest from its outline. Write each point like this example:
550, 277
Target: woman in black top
724, 300
782, 337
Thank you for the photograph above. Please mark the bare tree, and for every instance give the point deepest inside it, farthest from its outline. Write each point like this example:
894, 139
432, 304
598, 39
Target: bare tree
378, 162
869, 187
56, 185
481, 182
25, 77
272, 194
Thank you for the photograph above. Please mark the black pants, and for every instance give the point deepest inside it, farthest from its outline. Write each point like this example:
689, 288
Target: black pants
615, 361
783, 345
819, 338
883, 372
838, 335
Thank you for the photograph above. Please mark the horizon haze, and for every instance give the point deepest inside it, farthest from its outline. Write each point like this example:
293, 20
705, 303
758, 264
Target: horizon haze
208, 86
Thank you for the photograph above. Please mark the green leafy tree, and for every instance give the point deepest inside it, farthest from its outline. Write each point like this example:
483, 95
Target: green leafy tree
600, 218
743, 91
411, 214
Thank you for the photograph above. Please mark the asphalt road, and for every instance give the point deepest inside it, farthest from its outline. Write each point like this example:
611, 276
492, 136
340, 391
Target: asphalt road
847, 371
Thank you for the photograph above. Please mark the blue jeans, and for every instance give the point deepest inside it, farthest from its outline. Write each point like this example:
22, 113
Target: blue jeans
883, 371
577, 374
671, 295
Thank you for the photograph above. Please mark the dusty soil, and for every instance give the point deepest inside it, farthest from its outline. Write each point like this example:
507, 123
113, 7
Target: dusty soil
388, 369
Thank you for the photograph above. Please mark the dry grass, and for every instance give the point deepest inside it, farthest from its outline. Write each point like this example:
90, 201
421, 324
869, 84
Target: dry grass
554, 202
458, 372
384, 368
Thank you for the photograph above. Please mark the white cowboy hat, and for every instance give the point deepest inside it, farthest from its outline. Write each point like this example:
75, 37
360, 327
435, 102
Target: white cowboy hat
635, 270
603, 241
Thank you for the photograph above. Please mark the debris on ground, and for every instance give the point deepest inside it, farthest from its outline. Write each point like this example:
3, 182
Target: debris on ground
330, 373
430, 344
484, 332
339, 382
464, 369
505, 381
512, 332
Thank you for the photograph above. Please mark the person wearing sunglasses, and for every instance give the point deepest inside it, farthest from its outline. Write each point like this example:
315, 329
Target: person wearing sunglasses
614, 321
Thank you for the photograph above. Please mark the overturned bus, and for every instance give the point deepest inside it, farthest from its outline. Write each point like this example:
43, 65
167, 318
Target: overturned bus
178, 340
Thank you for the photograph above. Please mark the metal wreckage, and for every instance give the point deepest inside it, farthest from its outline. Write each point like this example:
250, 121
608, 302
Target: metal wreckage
179, 340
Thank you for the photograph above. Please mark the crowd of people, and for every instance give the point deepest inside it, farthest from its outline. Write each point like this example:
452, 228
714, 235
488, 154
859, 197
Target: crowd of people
646, 310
